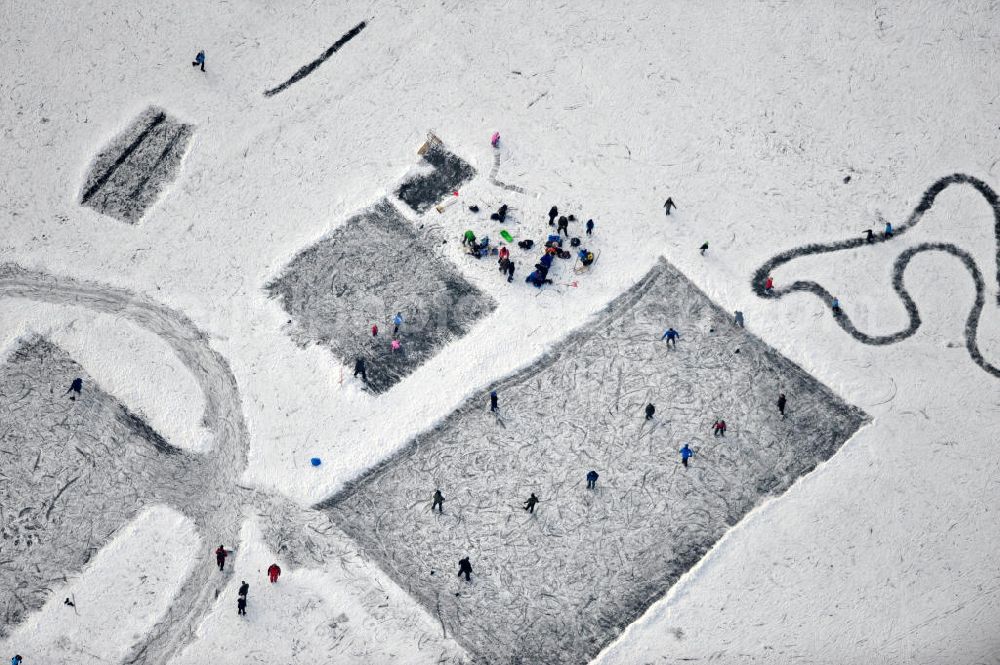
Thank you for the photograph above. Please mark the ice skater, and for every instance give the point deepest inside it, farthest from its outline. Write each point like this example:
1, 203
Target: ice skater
494, 402
650, 410
395, 345
703, 248
671, 336
686, 454
669, 205
888, 230
781, 404
16, 660
719, 428
438, 501
529, 505
244, 588
835, 306
220, 557
495, 139
768, 284
273, 572
563, 226
738, 319
374, 330
74, 388
553, 213
465, 568
869, 235
199, 60
241, 606
592, 477
359, 368
397, 321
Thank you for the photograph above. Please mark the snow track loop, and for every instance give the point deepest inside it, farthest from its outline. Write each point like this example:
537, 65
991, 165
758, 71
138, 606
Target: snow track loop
899, 269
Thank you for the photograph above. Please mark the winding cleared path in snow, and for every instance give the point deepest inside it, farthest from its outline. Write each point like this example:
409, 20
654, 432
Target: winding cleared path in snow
899, 270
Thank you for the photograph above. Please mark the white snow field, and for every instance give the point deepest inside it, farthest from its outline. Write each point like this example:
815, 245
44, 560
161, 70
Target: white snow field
773, 126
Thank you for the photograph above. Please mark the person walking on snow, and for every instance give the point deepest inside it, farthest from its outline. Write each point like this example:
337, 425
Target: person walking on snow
241, 606
888, 230
494, 406
244, 588
220, 557
671, 336
719, 427
738, 320
16, 660
563, 226
592, 477
668, 205
703, 248
438, 501
359, 368
199, 60
396, 322
590, 227
529, 505
686, 453
74, 388
650, 410
510, 270
781, 404
553, 213
465, 568
273, 572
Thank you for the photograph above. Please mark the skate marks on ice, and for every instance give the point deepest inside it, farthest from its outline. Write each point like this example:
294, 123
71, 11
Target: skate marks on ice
308, 69
899, 270
373, 266
447, 172
90, 456
493, 175
557, 586
129, 174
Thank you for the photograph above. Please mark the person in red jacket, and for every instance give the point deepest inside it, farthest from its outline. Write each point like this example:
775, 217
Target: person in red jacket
374, 330
220, 557
273, 571
768, 284
719, 427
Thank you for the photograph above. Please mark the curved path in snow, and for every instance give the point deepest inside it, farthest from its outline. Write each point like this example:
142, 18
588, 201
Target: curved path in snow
217, 511
899, 269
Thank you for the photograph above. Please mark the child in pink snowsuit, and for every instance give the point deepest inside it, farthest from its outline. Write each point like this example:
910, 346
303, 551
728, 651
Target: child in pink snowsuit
495, 139
395, 345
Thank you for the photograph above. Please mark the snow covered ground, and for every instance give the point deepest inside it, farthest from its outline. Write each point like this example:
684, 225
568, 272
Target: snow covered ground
751, 116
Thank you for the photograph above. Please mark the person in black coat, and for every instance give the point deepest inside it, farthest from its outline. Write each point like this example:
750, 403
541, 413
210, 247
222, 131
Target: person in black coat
465, 568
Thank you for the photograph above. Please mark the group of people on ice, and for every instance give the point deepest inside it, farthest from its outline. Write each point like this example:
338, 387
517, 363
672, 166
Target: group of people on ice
361, 365
553, 247
273, 572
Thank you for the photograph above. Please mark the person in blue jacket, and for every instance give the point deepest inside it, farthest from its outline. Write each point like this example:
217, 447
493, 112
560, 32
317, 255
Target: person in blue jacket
396, 322
494, 401
590, 227
16, 660
888, 230
546, 260
686, 453
592, 477
835, 305
671, 336
199, 60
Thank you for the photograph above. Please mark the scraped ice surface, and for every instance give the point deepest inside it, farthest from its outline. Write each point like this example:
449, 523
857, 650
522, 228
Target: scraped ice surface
557, 586
130, 173
75, 471
362, 274
449, 171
